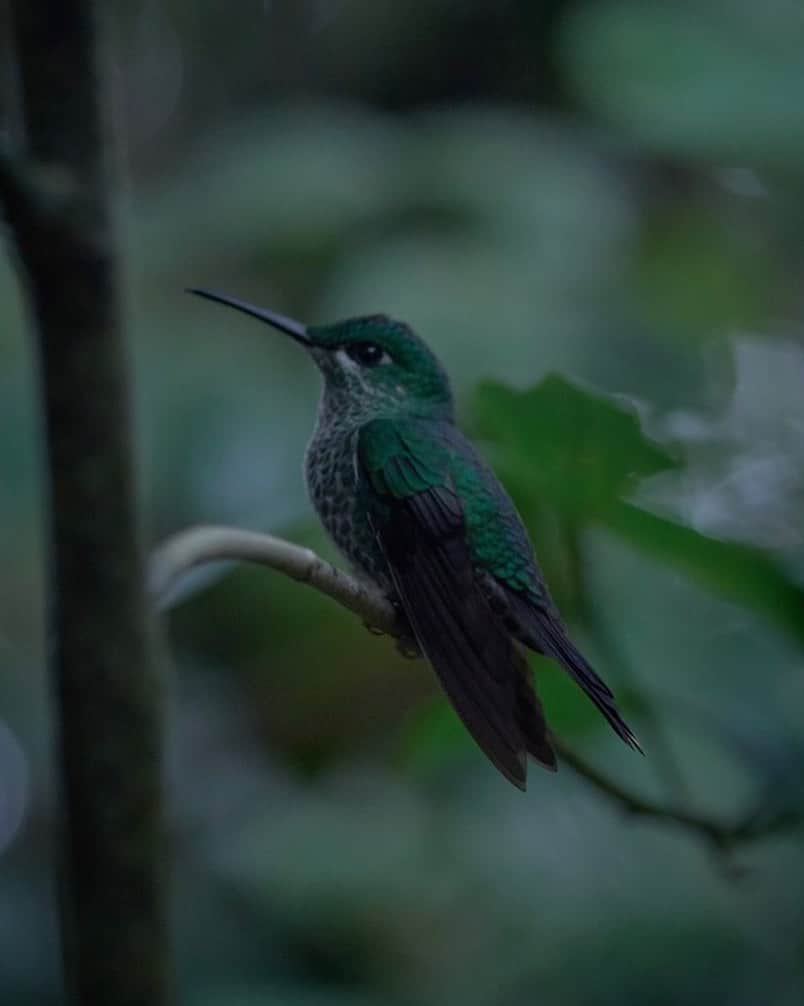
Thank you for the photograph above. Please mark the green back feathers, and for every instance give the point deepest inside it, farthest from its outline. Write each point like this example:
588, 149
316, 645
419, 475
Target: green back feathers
403, 458
399, 460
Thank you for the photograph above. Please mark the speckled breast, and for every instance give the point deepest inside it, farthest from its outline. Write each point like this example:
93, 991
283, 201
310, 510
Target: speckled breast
330, 472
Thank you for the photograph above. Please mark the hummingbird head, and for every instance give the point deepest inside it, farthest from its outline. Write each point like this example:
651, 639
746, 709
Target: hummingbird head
373, 363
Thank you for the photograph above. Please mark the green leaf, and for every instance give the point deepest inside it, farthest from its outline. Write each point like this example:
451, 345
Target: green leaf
711, 80
432, 737
693, 278
740, 573
581, 450
569, 712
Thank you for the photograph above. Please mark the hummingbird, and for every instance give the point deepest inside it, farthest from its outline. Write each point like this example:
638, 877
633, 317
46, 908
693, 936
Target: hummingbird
420, 515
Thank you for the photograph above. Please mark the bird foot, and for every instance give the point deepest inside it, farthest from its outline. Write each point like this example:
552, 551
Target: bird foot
406, 644
408, 647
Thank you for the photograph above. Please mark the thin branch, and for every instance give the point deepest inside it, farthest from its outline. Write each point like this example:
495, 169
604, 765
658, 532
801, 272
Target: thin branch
191, 548
724, 836
198, 545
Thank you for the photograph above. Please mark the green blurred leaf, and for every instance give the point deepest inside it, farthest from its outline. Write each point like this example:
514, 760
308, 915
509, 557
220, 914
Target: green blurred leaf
569, 712
433, 736
292, 187
282, 995
740, 573
693, 279
579, 449
581, 452
709, 79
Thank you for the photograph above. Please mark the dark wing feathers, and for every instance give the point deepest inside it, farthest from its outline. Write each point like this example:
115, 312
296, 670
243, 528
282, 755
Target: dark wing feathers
421, 530
461, 610
540, 629
514, 583
472, 654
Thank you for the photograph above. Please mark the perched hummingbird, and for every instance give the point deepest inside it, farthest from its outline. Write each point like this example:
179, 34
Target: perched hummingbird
415, 509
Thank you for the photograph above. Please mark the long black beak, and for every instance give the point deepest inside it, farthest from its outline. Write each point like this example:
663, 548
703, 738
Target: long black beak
293, 328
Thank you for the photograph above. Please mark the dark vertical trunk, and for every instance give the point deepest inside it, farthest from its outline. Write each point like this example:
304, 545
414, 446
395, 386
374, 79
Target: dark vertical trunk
58, 199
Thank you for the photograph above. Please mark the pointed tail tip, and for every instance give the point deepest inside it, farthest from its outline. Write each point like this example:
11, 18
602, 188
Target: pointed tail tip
620, 727
516, 772
544, 754
631, 740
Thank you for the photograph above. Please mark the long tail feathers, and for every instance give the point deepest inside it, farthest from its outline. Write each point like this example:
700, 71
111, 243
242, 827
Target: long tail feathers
542, 631
532, 724
579, 669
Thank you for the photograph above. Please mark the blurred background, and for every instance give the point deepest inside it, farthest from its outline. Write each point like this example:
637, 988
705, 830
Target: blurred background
593, 212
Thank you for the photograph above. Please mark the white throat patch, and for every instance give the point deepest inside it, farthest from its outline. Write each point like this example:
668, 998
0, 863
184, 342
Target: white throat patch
346, 362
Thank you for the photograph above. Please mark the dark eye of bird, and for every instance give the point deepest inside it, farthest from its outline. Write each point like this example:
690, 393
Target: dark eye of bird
367, 354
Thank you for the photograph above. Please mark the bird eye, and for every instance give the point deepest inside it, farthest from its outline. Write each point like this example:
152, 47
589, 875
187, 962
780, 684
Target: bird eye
368, 354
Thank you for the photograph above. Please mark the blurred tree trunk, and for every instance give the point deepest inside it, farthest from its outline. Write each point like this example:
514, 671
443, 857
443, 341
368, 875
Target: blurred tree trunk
57, 192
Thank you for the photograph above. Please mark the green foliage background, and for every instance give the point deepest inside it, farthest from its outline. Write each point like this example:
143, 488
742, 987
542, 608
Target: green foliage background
593, 212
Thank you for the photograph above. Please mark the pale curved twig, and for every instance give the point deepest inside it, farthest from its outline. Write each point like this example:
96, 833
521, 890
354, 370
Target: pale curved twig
208, 543
195, 546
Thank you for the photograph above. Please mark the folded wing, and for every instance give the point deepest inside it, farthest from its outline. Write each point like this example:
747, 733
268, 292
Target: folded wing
419, 523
